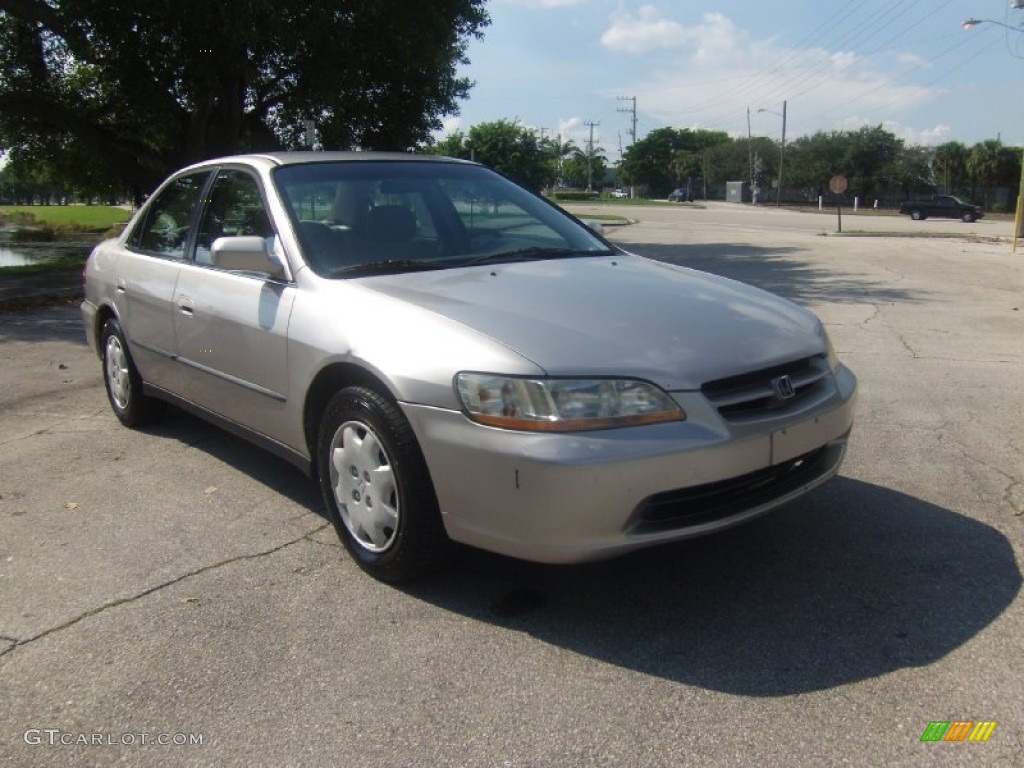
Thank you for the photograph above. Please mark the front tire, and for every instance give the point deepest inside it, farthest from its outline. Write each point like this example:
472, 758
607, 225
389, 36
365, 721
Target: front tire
122, 380
967, 217
917, 215
377, 488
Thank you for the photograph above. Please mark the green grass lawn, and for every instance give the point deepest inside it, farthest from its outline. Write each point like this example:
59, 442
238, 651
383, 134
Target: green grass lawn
78, 216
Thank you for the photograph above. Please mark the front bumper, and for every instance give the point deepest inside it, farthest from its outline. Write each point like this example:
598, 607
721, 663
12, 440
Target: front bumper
573, 497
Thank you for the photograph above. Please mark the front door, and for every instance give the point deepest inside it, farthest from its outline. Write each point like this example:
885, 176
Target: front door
232, 327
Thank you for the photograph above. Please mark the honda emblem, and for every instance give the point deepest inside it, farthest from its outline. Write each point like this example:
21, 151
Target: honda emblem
783, 386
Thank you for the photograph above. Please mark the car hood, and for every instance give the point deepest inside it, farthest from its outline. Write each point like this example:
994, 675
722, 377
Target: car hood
617, 315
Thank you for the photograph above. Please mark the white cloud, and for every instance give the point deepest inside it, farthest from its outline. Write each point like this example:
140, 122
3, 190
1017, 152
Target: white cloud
912, 59
931, 137
724, 71
571, 128
646, 31
715, 40
449, 125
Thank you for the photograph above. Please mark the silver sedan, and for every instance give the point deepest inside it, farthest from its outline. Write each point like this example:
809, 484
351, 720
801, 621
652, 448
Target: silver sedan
457, 360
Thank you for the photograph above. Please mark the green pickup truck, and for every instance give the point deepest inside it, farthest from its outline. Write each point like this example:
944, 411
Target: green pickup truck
944, 206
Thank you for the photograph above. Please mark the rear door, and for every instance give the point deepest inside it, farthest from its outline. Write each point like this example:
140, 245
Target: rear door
148, 272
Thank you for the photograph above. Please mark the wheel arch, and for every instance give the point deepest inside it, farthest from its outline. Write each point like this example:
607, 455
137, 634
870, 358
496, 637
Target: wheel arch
104, 312
325, 384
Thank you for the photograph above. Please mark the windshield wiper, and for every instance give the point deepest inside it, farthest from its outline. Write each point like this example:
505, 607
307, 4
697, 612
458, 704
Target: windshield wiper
386, 267
534, 253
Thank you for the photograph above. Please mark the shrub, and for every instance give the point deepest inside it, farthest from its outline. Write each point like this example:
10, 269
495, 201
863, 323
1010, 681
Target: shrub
577, 195
34, 235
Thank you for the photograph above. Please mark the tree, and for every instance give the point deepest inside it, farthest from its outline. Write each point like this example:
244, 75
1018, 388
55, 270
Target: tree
812, 160
991, 165
577, 171
559, 152
869, 160
912, 170
452, 145
728, 161
655, 159
949, 166
505, 146
147, 87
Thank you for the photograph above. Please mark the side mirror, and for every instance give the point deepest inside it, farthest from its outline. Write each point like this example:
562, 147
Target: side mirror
246, 253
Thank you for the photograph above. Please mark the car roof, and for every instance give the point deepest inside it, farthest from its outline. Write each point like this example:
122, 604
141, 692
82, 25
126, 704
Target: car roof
304, 157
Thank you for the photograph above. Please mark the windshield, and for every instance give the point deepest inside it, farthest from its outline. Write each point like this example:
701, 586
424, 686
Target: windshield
371, 217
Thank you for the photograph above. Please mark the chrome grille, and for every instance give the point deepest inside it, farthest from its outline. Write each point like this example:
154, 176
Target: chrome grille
770, 391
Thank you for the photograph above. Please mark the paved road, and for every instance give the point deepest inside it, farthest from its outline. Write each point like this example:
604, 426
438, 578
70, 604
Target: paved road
177, 582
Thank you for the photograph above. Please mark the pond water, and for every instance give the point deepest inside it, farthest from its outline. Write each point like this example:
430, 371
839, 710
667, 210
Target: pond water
12, 258
16, 255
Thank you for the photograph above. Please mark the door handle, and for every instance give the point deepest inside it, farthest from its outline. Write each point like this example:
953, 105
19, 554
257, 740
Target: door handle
122, 285
185, 306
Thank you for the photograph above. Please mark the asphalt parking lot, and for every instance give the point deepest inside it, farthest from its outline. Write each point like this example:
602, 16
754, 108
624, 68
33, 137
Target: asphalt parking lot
173, 596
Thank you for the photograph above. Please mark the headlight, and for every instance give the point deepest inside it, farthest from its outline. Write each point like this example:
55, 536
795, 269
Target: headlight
830, 352
563, 405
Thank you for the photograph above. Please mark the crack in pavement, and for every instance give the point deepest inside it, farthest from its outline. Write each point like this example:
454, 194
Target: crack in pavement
968, 455
53, 430
876, 311
1013, 493
177, 579
999, 361
19, 438
906, 345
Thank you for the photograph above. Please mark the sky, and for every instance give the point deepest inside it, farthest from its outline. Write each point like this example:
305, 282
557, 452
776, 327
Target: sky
907, 65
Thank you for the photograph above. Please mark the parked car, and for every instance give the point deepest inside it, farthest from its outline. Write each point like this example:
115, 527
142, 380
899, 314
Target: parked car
944, 206
454, 359
620, 193
681, 195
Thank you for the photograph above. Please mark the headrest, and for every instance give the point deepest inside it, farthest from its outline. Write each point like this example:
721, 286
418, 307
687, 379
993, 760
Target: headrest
391, 222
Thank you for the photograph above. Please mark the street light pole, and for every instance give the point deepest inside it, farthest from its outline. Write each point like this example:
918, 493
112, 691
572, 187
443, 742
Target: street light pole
782, 147
1018, 227
968, 23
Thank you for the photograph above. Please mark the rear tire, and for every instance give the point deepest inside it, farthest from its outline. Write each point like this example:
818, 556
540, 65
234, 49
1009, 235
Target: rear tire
122, 380
917, 215
377, 488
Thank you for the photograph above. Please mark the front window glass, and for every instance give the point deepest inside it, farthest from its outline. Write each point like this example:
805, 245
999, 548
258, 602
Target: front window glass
366, 217
165, 227
234, 208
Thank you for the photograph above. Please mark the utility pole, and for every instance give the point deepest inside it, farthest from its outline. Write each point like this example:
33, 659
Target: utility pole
631, 110
632, 133
560, 180
782, 155
590, 154
750, 154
